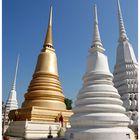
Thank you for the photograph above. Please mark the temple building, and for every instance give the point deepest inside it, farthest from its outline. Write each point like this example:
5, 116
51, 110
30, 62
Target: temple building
98, 112
43, 111
126, 74
11, 102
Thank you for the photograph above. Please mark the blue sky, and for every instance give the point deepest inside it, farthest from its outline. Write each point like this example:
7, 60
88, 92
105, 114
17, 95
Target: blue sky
24, 27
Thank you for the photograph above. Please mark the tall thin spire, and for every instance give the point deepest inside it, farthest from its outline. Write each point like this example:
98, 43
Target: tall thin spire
12, 101
48, 39
122, 30
97, 38
15, 76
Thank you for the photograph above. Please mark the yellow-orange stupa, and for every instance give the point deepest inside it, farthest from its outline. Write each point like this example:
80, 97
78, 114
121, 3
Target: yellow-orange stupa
44, 100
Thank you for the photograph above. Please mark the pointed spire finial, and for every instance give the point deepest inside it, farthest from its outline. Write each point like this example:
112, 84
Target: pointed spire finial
50, 18
95, 14
97, 38
15, 76
48, 39
122, 30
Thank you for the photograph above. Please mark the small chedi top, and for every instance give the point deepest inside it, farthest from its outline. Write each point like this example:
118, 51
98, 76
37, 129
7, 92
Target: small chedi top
98, 112
125, 73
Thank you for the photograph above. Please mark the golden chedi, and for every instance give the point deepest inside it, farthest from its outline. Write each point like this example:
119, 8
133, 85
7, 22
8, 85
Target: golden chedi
45, 89
44, 100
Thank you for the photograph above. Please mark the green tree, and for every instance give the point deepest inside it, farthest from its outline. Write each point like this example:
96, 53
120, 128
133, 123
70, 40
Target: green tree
68, 103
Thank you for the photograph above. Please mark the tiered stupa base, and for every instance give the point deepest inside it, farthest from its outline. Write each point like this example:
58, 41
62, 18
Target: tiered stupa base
118, 133
39, 114
36, 122
33, 130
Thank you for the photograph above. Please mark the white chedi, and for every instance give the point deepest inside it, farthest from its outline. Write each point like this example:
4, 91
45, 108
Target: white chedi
11, 102
98, 112
125, 74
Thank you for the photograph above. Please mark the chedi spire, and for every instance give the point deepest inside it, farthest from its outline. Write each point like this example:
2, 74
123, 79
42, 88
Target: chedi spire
48, 39
98, 112
97, 38
123, 35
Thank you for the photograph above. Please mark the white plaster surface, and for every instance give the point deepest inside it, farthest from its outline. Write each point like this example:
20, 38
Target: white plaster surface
32, 130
